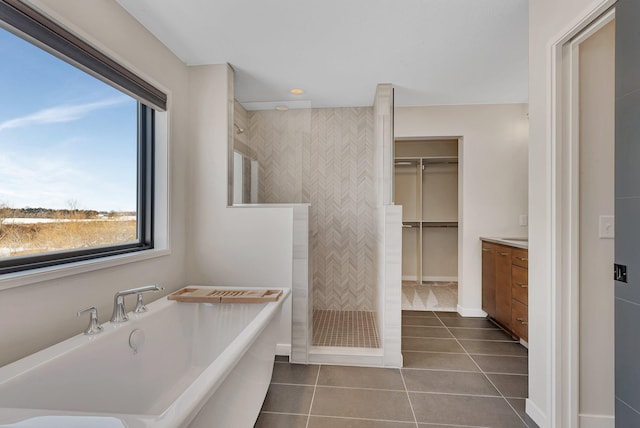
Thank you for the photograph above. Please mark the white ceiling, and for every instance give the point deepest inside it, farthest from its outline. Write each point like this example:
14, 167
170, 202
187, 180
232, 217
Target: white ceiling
434, 52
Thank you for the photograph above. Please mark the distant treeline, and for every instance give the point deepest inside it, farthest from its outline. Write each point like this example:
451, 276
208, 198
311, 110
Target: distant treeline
64, 213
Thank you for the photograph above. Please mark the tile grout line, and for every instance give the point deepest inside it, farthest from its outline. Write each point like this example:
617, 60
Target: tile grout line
458, 394
453, 337
282, 413
490, 381
352, 418
313, 396
400, 390
461, 371
463, 353
459, 328
475, 340
358, 319
406, 391
367, 419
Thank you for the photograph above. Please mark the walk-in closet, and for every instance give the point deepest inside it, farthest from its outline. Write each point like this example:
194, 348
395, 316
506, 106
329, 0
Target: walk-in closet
426, 185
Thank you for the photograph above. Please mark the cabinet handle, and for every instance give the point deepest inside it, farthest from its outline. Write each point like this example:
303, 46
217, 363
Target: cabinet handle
522, 285
523, 259
522, 321
486, 249
504, 254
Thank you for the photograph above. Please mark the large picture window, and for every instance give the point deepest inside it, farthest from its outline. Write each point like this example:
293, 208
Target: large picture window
76, 147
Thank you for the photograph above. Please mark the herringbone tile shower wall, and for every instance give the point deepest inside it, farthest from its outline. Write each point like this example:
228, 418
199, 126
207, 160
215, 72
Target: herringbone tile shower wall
341, 181
279, 138
326, 157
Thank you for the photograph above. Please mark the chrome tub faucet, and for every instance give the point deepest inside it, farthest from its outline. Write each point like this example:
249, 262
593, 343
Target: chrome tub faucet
119, 310
94, 327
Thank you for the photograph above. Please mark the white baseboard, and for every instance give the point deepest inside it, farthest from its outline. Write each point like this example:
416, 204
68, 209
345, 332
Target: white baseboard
363, 357
597, 421
535, 413
471, 312
283, 349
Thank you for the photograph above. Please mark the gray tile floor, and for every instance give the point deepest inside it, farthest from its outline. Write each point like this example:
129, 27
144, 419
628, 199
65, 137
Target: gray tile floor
458, 372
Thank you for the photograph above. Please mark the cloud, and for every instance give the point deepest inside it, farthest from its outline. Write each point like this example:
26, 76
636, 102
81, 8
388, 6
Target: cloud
59, 114
50, 179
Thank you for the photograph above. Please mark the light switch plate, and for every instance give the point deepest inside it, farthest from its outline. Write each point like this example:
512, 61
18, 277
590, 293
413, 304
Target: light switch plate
606, 227
524, 220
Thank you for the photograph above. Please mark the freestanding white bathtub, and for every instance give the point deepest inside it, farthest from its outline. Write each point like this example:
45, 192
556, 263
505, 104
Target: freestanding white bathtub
201, 365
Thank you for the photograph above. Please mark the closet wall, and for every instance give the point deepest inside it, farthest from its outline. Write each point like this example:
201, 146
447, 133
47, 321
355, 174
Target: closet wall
325, 157
426, 185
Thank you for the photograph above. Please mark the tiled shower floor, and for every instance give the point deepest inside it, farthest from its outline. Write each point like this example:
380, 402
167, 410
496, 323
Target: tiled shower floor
345, 328
459, 372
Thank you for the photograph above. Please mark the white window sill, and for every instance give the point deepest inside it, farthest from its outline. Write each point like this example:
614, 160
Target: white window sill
17, 279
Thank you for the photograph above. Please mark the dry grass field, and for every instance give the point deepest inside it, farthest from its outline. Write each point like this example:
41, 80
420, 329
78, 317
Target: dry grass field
17, 239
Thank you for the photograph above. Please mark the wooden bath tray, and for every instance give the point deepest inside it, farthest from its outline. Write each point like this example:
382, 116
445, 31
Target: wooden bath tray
222, 295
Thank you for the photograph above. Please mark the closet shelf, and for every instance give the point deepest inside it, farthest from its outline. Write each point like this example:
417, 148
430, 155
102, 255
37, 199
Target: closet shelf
410, 224
439, 224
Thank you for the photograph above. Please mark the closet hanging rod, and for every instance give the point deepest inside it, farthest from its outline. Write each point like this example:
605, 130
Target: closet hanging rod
425, 158
441, 163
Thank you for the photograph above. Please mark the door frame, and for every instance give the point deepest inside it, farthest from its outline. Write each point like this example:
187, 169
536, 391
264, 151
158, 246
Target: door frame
563, 352
460, 140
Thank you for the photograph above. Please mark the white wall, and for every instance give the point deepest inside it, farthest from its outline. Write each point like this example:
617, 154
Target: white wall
493, 164
548, 21
237, 246
35, 316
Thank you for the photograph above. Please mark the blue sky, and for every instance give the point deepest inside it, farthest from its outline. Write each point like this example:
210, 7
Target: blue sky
64, 135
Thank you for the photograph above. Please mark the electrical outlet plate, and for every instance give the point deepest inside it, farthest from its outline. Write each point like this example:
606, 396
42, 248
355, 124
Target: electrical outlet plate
606, 227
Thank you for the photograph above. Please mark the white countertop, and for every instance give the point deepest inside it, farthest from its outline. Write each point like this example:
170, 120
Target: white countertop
511, 242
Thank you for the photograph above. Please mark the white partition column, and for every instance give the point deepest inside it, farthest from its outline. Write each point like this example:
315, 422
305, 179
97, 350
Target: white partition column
389, 236
302, 311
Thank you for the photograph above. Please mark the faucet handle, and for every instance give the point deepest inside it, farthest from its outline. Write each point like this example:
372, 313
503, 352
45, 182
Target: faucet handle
140, 306
94, 327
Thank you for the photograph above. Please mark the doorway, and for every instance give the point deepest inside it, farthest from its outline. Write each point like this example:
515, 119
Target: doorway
585, 206
596, 86
426, 185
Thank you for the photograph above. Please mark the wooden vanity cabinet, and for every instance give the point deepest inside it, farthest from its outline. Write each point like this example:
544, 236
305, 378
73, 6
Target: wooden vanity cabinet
505, 287
519, 320
519, 284
489, 278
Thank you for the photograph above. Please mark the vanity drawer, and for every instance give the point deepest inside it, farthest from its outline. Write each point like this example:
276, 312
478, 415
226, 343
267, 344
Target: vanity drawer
520, 284
520, 320
520, 257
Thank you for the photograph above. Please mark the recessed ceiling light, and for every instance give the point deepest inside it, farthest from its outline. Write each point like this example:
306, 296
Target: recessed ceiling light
297, 91
282, 108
